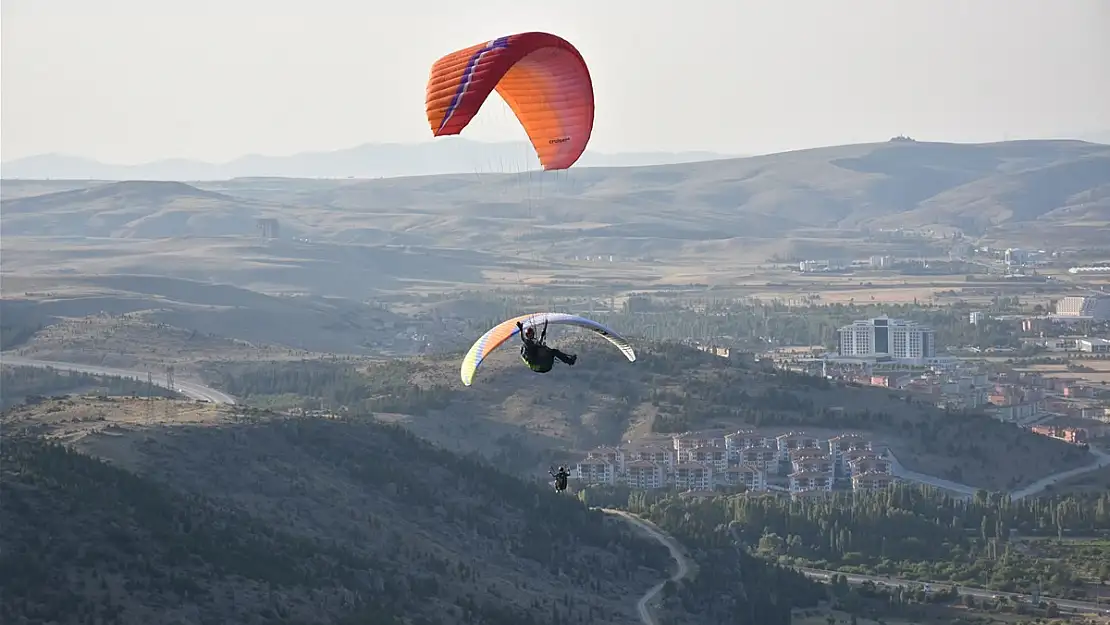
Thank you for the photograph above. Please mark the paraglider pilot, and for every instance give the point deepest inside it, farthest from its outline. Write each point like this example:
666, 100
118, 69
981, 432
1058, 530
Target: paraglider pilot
560, 478
538, 356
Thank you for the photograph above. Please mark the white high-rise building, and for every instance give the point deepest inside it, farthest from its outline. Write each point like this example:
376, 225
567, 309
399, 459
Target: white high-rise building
883, 336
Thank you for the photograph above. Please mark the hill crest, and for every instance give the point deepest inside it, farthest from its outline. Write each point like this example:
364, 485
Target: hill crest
369, 160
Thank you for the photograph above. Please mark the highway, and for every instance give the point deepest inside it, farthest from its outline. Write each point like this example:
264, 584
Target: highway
643, 606
979, 593
188, 389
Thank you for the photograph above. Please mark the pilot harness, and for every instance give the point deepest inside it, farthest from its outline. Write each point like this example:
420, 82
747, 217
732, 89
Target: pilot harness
542, 342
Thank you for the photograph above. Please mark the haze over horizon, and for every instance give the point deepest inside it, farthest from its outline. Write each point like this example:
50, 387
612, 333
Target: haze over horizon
126, 82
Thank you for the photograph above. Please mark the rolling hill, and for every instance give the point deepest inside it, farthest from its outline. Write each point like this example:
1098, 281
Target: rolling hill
662, 224
907, 184
115, 317
526, 422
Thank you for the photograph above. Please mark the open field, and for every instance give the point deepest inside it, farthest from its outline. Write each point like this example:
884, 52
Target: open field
136, 343
1099, 375
73, 419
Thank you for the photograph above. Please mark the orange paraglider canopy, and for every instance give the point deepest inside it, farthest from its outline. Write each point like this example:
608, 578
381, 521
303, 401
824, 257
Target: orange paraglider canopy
540, 76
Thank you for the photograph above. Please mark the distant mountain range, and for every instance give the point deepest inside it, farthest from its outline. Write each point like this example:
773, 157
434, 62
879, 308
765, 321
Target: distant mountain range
450, 155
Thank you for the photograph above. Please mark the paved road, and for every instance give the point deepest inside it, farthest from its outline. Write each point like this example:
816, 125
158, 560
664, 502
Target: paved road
979, 593
1102, 459
643, 606
188, 389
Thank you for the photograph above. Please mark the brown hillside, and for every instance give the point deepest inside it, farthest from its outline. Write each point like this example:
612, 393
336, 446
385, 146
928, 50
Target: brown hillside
663, 209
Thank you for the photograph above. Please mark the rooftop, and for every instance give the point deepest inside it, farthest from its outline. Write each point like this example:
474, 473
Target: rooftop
811, 474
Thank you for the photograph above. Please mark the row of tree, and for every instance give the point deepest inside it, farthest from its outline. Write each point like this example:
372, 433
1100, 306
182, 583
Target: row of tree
29, 383
904, 531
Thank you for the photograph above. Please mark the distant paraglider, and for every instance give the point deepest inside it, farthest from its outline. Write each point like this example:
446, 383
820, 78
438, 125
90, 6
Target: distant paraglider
497, 335
542, 78
560, 478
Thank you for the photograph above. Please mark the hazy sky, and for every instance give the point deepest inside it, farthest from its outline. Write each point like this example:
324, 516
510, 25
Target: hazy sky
132, 80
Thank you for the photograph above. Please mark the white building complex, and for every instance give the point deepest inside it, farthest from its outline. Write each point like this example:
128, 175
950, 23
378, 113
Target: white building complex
1093, 307
886, 337
748, 459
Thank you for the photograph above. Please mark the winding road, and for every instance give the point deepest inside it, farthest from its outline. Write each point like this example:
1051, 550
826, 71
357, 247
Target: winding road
643, 606
188, 389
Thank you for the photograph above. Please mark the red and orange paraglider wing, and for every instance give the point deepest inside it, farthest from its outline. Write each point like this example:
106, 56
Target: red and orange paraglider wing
541, 77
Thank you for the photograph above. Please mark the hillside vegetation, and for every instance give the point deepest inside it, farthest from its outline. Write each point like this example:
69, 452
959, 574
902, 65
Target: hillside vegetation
526, 421
31, 384
906, 532
232, 514
301, 521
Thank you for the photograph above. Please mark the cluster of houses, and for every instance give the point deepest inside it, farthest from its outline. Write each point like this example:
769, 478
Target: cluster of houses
1013, 396
745, 459
1075, 436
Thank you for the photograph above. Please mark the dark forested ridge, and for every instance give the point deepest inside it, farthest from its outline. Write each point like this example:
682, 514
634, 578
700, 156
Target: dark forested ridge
301, 521
672, 387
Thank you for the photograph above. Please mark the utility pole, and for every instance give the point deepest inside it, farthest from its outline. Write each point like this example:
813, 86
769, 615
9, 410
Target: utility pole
171, 405
149, 397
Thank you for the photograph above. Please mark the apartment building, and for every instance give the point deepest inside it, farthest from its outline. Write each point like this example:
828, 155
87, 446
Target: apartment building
787, 443
746, 439
752, 478
872, 481
693, 476
596, 471
612, 455
765, 458
810, 463
801, 481
697, 461
717, 457
644, 475
841, 445
658, 454
867, 464
688, 441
